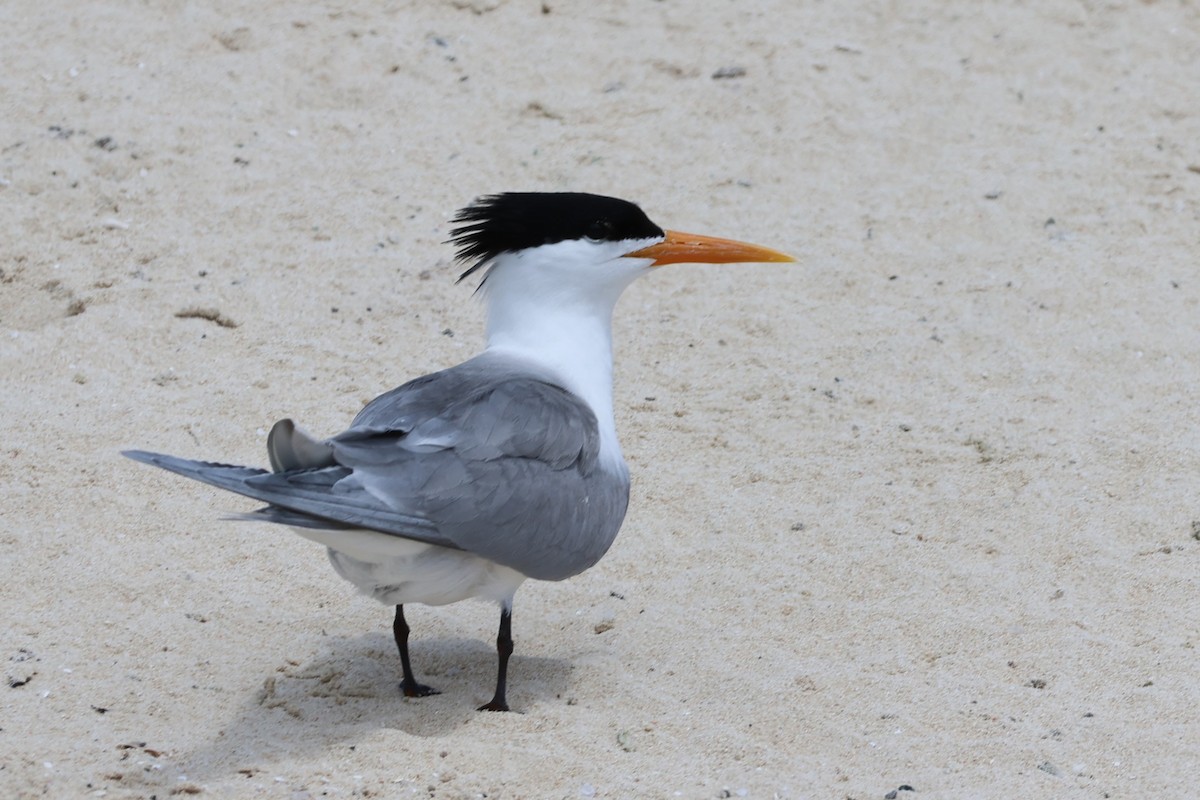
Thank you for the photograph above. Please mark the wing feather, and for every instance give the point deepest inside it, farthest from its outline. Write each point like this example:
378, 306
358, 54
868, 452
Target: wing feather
491, 457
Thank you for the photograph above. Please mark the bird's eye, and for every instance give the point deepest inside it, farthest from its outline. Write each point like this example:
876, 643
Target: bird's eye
599, 231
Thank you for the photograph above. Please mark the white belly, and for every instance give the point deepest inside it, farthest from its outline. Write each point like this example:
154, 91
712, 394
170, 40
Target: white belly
396, 571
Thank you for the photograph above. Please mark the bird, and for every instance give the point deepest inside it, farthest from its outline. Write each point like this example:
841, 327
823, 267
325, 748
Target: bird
468, 481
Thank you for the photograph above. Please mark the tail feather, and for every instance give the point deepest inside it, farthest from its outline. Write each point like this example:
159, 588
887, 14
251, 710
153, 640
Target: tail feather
302, 497
285, 516
223, 476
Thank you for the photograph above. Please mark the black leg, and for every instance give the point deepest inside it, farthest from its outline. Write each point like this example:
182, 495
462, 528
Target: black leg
504, 648
409, 686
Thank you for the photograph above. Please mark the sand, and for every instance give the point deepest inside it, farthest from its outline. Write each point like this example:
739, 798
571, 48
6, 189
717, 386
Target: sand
919, 511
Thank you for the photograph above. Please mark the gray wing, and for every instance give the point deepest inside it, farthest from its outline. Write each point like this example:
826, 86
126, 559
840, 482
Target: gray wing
503, 462
308, 491
484, 457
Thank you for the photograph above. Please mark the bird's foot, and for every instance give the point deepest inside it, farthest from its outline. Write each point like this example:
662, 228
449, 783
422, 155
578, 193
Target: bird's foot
414, 689
497, 704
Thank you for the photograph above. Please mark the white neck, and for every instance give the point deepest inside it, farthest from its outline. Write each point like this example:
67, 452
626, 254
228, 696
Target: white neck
578, 353
564, 327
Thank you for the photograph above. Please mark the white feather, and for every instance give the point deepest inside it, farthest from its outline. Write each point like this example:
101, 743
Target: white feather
553, 305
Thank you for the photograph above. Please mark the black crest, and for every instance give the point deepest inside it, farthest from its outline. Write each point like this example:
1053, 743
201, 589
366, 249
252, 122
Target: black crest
504, 223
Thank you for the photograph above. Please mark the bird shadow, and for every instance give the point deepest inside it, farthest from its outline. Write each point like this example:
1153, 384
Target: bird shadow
351, 689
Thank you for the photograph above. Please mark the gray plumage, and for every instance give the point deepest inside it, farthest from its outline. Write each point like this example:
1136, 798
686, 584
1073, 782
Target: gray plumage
489, 457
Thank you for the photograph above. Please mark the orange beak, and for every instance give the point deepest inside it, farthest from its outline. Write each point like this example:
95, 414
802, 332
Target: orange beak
692, 248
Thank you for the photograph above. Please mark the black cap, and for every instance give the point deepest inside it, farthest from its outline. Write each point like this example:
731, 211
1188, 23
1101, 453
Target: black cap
504, 223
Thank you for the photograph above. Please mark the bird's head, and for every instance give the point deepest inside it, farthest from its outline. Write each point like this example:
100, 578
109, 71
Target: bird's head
569, 242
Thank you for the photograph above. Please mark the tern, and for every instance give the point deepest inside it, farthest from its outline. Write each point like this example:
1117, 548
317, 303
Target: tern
466, 482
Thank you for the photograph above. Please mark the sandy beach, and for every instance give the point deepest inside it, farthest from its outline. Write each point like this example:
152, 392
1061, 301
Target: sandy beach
916, 517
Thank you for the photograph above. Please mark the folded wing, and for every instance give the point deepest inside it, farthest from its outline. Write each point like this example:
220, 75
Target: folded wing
483, 457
